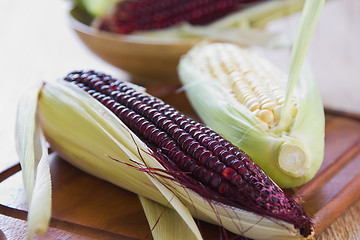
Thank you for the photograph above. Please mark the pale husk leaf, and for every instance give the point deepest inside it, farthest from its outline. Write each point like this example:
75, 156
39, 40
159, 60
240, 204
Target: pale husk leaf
32, 152
161, 217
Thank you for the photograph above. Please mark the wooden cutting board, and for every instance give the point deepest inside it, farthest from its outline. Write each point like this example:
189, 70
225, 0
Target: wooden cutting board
85, 207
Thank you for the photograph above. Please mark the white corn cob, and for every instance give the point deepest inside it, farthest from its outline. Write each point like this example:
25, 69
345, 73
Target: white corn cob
241, 95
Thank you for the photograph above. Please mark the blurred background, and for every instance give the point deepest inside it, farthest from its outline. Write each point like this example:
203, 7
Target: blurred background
37, 44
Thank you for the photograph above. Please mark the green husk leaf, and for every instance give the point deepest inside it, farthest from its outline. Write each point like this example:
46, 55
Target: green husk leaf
32, 152
95, 8
309, 19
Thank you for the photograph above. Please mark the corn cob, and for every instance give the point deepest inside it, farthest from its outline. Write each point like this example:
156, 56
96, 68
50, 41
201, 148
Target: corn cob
183, 144
216, 181
241, 95
143, 15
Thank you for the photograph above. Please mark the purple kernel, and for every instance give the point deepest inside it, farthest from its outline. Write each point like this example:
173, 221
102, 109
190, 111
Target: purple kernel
143, 125
252, 180
160, 137
150, 112
155, 117
218, 150
110, 104
205, 141
229, 159
106, 89
199, 172
140, 122
215, 181
177, 132
177, 157
206, 177
160, 121
124, 113
192, 167
225, 189
183, 162
98, 85
264, 193
204, 157
228, 173
148, 130
192, 130
170, 145
154, 134
192, 147
169, 127
136, 106
236, 179
261, 202
164, 142
199, 151
201, 137
188, 127
183, 136
185, 145
105, 100
212, 161
182, 124
242, 170
219, 167
224, 154
236, 164
197, 134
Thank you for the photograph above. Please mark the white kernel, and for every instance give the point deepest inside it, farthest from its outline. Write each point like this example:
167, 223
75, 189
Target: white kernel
265, 100
277, 112
280, 100
269, 106
253, 106
240, 85
256, 112
246, 98
250, 102
266, 116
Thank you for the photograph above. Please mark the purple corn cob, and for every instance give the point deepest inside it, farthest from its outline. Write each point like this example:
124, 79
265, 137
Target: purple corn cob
141, 15
211, 165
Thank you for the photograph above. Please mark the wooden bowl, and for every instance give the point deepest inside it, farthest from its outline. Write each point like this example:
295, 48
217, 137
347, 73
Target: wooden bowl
143, 57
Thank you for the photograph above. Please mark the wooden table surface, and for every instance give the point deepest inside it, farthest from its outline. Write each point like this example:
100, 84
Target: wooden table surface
36, 44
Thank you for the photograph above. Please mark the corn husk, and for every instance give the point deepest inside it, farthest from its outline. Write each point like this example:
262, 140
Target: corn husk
245, 26
92, 138
290, 153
